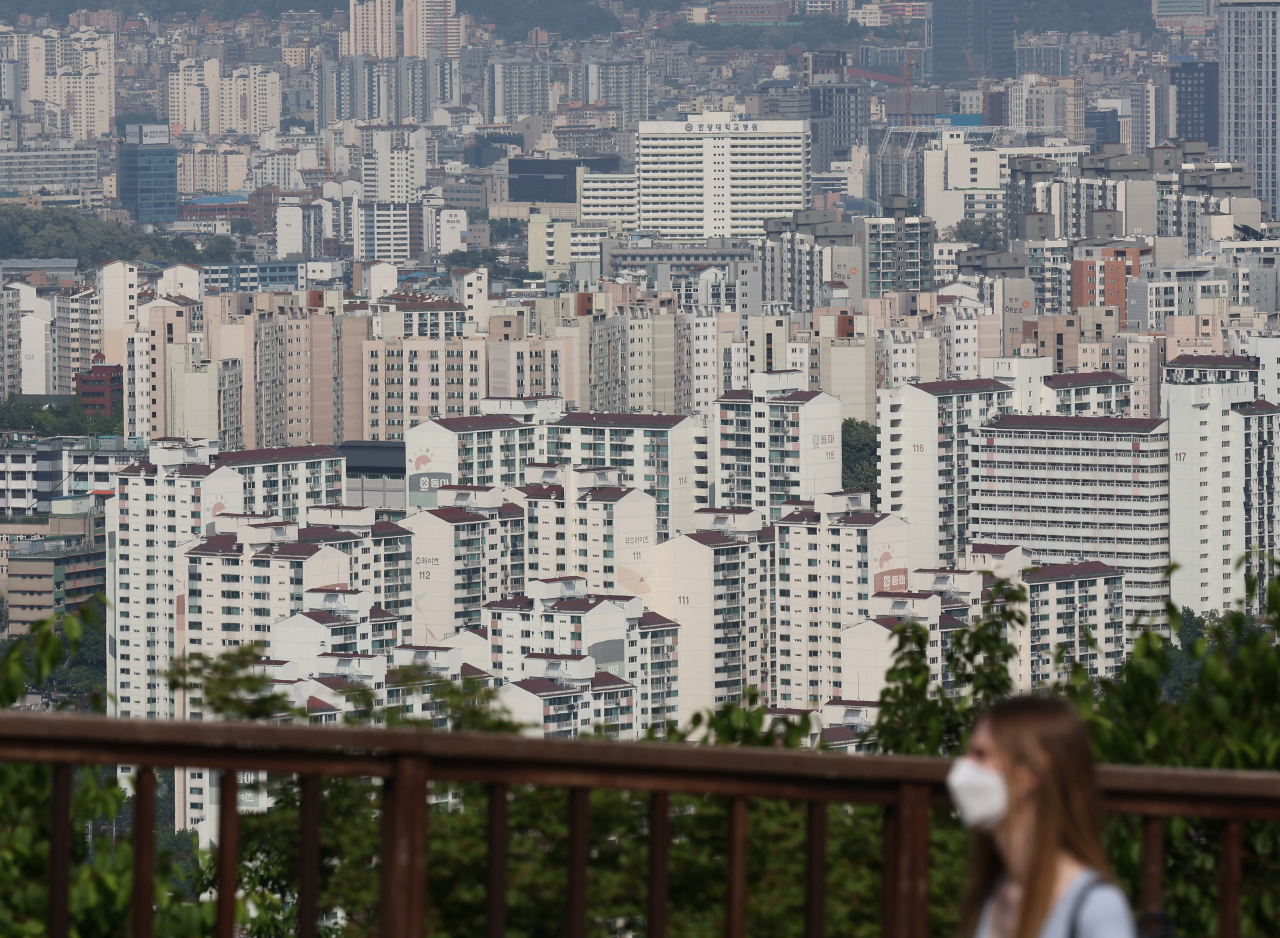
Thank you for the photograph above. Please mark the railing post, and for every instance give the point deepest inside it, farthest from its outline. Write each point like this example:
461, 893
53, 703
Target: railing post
404, 850
498, 846
889, 884
906, 864
309, 858
144, 850
1230, 863
579, 830
1153, 918
60, 853
816, 872
659, 866
739, 829
228, 853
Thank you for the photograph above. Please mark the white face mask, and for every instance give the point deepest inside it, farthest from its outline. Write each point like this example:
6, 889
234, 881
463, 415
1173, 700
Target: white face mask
979, 794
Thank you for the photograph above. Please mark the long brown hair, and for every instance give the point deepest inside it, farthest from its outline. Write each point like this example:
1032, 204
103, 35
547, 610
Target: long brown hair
1048, 738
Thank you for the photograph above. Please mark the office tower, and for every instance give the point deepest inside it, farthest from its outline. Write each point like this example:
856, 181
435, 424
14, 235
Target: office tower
148, 181
433, 24
1197, 84
983, 28
515, 88
1248, 124
373, 29
624, 84
718, 175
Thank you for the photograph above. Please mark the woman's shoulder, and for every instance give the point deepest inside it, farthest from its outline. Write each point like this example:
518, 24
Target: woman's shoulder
1104, 913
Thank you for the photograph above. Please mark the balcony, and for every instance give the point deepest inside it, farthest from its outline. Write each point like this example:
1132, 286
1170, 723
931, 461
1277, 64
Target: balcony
906, 788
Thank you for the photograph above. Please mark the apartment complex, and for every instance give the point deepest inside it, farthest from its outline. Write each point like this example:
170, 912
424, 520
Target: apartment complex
1079, 489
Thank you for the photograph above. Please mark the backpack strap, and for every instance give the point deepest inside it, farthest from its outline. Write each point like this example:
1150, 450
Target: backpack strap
1094, 882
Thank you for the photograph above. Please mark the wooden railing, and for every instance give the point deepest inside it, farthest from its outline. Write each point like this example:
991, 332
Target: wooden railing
907, 788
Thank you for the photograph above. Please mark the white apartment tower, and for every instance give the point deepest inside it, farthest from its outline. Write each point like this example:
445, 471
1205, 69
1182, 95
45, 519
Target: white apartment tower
924, 459
1221, 462
1078, 489
717, 175
779, 441
432, 24
1249, 132
373, 29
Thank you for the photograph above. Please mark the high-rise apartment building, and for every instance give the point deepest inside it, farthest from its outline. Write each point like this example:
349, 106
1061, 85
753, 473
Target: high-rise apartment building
372, 31
719, 175
779, 441
1221, 461
11, 344
623, 84
1249, 132
924, 459
77, 320
665, 455
515, 88
215, 98
1078, 489
433, 24
898, 249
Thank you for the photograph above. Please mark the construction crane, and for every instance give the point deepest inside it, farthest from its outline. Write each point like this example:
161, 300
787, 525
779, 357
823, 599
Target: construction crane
906, 69
982, 83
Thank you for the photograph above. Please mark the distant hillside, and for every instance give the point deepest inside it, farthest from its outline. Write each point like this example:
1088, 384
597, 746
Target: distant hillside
1097, 16
62, 232
579, 18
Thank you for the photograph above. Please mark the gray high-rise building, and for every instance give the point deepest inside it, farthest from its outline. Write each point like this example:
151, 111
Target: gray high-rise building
366, 88
983, 28
624, 84
515, 88
846, 108
1247, 118
1197, 84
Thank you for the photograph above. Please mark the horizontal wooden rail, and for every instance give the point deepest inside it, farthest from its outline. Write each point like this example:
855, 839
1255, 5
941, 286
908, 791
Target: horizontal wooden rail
408, 760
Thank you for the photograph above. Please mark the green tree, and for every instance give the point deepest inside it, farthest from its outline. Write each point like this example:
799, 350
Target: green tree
57, 419
859, 454
102, 869
986, 233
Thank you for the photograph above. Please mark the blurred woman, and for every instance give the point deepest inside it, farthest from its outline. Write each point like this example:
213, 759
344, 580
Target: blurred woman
1027, 792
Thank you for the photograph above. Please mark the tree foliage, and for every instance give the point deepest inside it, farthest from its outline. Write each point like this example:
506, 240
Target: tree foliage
102, 868
1092, 15
1224, 714
986, 233
56, 419
64, 232
860, 448
811, 32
